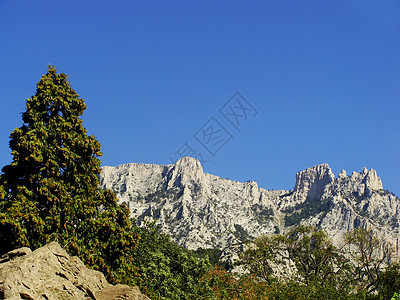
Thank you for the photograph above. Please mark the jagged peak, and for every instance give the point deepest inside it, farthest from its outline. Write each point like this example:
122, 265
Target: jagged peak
321, 171
323, 166
188, 162
364, 171
312, 181
342, 174
186, 169
368, 177
372, 180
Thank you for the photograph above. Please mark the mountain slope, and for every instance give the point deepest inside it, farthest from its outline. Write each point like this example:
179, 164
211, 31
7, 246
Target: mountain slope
200, 210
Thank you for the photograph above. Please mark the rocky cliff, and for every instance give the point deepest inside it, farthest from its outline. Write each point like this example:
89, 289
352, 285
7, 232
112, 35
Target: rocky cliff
200, 210
50, 273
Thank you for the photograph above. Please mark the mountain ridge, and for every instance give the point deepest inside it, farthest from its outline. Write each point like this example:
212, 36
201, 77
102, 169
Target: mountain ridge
201, 210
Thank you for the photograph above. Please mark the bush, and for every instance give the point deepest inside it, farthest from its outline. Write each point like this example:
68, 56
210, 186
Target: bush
168, 271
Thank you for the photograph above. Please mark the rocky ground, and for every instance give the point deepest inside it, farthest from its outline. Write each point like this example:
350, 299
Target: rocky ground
50, 273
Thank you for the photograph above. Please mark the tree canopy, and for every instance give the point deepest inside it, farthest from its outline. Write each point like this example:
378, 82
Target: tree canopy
51, 188
360, 268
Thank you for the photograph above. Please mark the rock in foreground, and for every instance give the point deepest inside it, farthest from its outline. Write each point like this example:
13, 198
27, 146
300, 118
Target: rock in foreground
50, 273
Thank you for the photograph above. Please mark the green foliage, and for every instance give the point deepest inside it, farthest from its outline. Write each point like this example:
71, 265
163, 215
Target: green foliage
262, 255
312, 252
369, 256
396, 296
168, 270
219, 284
3, 193
50, 190
390, 281
293, 289
314, 255
213, 255
360, 269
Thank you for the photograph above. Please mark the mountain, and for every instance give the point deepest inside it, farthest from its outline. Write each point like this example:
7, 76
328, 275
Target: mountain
200, 210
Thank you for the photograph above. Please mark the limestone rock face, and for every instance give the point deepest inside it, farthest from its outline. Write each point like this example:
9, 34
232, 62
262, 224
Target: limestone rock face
200, 210
312, 182
50, 273
120, 291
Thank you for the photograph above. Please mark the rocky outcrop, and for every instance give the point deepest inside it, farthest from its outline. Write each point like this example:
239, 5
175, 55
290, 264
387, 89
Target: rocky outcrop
197, 209
50, 273
311, 182
200, 210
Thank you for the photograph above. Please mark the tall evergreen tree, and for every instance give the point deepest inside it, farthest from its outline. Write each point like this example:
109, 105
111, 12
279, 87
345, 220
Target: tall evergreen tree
51, 187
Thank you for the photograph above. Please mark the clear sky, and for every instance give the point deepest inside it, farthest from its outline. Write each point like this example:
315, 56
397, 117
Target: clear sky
321, 81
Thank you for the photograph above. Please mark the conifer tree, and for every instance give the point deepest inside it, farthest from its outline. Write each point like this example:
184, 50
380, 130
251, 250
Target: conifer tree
50, 190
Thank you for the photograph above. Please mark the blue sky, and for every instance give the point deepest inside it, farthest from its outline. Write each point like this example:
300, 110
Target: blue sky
323, 77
